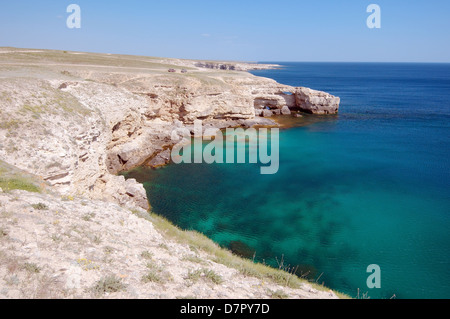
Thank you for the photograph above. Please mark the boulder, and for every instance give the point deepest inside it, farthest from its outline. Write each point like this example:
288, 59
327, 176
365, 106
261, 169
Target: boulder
160, 159
285, 110
267, 113
316, 102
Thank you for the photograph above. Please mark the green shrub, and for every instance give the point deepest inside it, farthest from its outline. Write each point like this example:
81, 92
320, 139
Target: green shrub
152, 276
147, 255
3, 233
207, 274
108, 284
32, 268
40, 206
156, 274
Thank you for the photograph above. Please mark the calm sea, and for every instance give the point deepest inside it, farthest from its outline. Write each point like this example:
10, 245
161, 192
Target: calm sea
369, 186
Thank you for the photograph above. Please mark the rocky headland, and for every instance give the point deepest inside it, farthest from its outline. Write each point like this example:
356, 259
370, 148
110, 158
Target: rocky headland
71, 121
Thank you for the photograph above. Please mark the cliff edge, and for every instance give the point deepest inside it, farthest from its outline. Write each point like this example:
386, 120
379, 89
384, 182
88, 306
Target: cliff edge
72, 121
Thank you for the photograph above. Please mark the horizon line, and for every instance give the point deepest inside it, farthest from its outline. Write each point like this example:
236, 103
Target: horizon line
237, 61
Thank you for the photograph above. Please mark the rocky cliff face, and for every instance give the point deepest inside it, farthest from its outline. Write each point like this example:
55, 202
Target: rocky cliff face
69, 122
79, 122
316, 102
234, 66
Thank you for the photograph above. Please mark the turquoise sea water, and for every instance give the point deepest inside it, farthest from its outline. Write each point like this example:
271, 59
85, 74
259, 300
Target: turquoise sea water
369, 186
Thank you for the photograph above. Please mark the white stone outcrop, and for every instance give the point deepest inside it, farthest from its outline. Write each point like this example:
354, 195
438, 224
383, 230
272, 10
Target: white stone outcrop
78, 129
316, 102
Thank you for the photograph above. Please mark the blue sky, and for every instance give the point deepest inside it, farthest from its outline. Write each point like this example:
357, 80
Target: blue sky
297, 30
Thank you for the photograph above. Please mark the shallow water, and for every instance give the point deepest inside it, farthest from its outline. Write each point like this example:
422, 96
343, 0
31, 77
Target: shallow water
369, 186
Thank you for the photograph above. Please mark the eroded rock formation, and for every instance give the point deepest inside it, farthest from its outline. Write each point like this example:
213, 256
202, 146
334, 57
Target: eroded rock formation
79, 126
69, 123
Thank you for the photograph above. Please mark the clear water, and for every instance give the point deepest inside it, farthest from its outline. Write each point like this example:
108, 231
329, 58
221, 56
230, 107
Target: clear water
370, 186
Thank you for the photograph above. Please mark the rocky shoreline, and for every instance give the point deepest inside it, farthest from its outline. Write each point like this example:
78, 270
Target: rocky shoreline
75, 120
122, 116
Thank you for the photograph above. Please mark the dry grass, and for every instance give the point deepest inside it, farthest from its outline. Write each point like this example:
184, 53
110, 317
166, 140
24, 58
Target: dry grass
199, 242
109, 284
84, 58
11, 178
156, 274
204, 274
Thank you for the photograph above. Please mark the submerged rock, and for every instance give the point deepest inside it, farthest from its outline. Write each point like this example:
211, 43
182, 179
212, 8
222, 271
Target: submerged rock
241, 249
161, 159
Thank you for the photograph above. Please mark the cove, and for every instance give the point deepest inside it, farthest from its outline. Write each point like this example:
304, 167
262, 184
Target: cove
222, 147
369, 186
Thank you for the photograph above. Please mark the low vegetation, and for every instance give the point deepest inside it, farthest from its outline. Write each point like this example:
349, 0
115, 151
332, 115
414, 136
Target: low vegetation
11, 178
32, 268
63, 228
3, 233
40, 206
247, 267
156, 274
108, 284
205, 274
